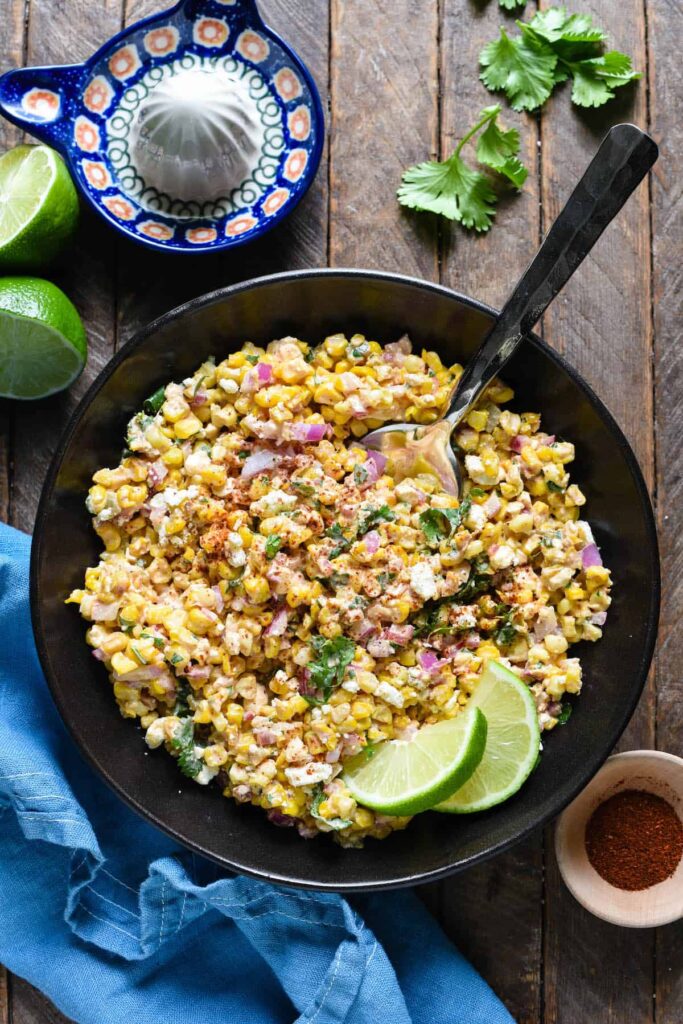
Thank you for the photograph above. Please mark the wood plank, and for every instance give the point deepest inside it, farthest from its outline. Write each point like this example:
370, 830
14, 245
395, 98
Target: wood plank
494, 912
384, 118
484, 266
12, 44
150, 284
29, 1006
4, 996
602, 323
665, 25
85, 272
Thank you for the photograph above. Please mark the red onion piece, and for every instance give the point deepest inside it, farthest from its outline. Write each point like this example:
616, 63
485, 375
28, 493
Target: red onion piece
492, 506
396, 351
278, 625
265, 737
599, 619
156, 473
220, 603
400, 634
308, 432
258, 462
264, 372
281, 820
198, 398
372, 542
518, 442
198, 672
332, 756
378, 460
99, 654
590, 556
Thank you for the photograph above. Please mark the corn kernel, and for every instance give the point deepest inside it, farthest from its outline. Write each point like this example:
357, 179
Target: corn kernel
187, 427
121, 664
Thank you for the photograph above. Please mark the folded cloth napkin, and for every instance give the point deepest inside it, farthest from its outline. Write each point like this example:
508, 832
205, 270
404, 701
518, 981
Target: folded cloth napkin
117, 923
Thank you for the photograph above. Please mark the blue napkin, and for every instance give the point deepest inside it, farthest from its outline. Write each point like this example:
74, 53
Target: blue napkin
117, 923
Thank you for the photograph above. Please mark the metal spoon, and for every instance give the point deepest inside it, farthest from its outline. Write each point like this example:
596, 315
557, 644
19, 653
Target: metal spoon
625, 156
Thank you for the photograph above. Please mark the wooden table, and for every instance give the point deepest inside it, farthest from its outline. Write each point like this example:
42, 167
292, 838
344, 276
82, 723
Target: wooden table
401, 82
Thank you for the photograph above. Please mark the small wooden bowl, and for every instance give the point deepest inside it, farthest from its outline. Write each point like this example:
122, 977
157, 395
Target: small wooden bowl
649, 770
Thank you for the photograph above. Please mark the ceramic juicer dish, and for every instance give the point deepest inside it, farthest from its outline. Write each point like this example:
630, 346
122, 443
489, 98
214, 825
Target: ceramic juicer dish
194, 130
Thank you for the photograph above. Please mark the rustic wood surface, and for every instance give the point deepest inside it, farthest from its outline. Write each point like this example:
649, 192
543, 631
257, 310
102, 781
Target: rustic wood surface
400, 79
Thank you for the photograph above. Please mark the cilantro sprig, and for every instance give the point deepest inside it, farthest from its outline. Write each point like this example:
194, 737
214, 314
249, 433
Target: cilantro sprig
438, 523
183, 742
453, 189
327, 670
374, 517
551, 48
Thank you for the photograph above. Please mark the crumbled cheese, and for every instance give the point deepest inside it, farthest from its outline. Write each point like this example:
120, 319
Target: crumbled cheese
390, 694
274, 501
502, 558
309, 774
422, 581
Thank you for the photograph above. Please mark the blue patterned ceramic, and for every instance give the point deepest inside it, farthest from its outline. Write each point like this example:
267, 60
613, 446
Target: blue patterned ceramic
92, 113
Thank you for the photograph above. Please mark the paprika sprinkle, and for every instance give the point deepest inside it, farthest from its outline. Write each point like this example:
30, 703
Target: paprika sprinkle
634, 840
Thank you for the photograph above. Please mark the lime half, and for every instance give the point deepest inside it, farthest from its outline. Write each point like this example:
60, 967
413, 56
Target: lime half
512, 742
38, 207
408, 776
42, 342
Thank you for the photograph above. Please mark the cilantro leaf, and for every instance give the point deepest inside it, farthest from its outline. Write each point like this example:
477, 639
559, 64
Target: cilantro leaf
438, 523
498, 150
509, 5
343, 542
273, 545
383, 514
182, 692
521, 66
183, 742
333, 823
476, 583
327, 671
552, 47
451, 189
553, 487
556, 26
595, 80
565, 713
506, 631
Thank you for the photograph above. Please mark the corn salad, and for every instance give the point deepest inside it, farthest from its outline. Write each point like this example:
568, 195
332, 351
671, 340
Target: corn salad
270, 601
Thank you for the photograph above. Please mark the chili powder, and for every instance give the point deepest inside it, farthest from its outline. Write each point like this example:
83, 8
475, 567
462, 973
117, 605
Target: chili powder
634, 840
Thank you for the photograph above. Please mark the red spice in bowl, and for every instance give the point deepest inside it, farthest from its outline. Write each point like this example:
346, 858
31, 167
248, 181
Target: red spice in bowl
634, 840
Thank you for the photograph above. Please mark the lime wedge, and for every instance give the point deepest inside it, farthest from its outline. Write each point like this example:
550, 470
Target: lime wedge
408, 776
38, 207
512, 743
42, 342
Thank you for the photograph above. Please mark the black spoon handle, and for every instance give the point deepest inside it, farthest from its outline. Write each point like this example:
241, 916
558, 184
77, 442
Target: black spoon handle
625, 156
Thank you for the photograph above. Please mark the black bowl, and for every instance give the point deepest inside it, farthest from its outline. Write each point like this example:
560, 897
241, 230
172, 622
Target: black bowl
312, 304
